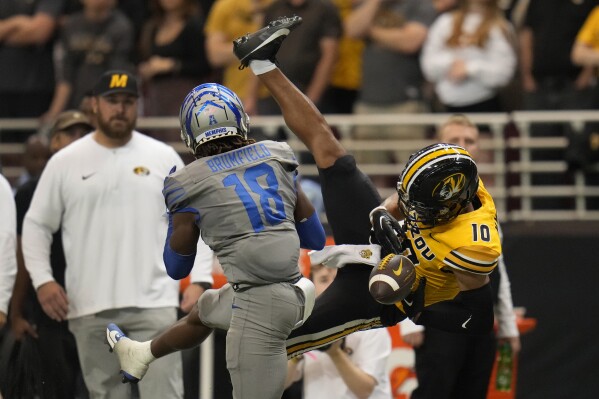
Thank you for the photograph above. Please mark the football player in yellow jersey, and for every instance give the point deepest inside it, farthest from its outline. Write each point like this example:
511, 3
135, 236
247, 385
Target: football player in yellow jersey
467, 359
451, 232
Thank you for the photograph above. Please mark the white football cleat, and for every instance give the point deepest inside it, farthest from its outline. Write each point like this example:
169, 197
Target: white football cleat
134, 356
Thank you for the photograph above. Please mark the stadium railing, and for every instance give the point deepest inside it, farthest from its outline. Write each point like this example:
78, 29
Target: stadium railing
509, 173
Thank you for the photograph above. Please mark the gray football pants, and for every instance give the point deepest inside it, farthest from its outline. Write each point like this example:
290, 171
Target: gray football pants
258, 323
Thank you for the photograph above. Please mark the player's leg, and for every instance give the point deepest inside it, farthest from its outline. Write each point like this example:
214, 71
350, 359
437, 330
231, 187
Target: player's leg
188, 332
439, 362
263, 316
349, 196
212, 311
304, 119
300, 114
473, 380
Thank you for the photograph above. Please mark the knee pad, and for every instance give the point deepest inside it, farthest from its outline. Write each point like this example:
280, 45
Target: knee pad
215, 307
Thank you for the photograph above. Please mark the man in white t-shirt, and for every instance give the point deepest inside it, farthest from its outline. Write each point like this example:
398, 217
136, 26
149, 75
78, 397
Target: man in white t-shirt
105, 192
355, 367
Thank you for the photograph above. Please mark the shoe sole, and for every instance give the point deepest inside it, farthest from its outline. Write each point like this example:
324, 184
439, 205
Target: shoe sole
114, 335
277, 34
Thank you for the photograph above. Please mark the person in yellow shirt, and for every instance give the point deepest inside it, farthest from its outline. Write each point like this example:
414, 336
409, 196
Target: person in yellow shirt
346, 78
585, 51
226, 21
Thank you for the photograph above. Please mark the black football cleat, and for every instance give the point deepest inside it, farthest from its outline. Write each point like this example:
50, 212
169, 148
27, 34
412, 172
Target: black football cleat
264, 43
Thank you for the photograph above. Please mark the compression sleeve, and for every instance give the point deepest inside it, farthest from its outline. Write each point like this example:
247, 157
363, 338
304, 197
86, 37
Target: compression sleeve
311, 233
177, 266
470, 312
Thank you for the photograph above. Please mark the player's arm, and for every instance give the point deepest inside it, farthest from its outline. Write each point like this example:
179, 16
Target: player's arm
182, 235
23, 30
181, 244
309, 229
471, 311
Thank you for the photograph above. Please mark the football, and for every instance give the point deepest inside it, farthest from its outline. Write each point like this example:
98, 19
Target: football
391, 281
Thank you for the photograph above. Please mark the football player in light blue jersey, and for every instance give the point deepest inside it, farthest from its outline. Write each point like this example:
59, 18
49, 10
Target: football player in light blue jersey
242, 197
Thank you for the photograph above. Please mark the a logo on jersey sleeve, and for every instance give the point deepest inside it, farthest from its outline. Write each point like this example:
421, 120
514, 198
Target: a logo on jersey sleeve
450, 187
366, 253
141, 171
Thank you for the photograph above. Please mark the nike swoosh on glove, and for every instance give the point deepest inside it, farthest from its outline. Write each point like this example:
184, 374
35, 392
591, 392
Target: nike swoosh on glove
387, 232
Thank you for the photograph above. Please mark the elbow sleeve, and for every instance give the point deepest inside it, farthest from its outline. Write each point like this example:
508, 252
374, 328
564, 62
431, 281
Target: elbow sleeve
311, 233
177, 266
470, 312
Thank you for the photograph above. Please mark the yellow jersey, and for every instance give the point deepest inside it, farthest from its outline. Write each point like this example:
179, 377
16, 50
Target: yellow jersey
469, 243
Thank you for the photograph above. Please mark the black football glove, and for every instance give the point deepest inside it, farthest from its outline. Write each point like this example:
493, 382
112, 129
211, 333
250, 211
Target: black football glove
413, 304
387, 232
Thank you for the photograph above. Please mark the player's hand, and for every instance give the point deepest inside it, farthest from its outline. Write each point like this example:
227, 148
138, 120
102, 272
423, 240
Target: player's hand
413, 304
54, 300
2, 319
20, 327
387, 231
335, 349
190, 297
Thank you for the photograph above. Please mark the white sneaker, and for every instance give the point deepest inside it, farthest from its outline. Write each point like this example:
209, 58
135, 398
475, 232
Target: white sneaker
134, 356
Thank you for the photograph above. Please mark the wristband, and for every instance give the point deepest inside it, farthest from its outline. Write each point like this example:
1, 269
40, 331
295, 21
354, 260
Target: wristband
311, 233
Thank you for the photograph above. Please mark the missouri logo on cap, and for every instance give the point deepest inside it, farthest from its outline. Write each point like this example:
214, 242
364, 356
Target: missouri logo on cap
118, 80
113, 82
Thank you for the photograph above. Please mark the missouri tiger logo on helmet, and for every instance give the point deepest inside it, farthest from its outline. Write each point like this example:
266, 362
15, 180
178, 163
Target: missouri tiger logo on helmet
450, 187
438, 182
209, 112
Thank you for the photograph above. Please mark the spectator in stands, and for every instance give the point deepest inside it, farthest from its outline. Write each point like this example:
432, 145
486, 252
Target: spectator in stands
585, 51
346, 77
551, 81
469, 55
8, 246
98, 38
85, 106
355, 367
394, 31
26, 71
450, 365
172, 53
104, 191
310, 53
228, 20
58, 353
34, 158
136, 10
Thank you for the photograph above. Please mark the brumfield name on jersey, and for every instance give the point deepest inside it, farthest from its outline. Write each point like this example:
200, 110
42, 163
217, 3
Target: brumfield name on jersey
238, 157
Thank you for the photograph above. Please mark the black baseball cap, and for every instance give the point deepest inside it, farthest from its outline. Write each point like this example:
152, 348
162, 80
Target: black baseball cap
116, 81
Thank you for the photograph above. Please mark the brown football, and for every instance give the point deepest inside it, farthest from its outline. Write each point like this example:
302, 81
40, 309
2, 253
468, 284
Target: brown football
391, 281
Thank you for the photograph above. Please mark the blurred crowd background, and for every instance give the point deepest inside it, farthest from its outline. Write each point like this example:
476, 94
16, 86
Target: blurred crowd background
365, 57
